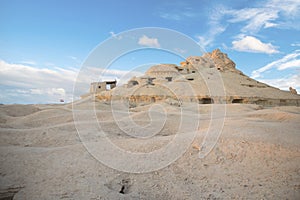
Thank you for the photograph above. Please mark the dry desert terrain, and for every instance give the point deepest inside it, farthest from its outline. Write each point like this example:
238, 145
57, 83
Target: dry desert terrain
256, 157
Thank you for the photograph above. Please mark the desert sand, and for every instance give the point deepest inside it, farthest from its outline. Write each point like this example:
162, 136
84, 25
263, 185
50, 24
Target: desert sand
256, 157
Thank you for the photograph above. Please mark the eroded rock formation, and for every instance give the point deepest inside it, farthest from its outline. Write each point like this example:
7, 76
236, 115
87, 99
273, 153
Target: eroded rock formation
293, 91
211, 78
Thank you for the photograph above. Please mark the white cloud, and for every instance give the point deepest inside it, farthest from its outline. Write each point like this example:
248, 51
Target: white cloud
270, 25
295, 45
28, 84
28, 62
284, 83
290, 64
215, 27
49, 91
288, 61
265, 15
147, 41
209, 38
30, 81
205, 41
255, 18
288, 7
252, 44
24, 75
104, 74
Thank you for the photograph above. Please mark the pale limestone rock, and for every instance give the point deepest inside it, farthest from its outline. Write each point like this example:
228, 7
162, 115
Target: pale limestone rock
293, 91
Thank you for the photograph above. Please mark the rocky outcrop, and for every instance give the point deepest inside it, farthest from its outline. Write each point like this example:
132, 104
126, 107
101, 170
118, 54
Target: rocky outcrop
293, 91
221, 60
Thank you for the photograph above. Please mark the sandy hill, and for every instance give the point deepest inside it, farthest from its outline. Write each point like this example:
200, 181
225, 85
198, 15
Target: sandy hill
211, 78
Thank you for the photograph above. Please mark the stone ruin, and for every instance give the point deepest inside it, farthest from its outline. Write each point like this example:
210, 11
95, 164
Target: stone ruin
98, 87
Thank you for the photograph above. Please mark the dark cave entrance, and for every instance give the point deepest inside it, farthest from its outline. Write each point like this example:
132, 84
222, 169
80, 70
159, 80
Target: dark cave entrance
237, 101
206, 101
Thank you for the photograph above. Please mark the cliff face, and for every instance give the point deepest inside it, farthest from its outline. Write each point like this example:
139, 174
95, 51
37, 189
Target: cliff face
211, 78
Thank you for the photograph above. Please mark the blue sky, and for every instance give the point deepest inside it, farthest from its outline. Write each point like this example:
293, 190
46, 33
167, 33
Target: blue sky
44, 43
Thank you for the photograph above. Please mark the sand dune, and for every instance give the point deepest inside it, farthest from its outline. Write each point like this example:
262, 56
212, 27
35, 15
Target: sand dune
256, 157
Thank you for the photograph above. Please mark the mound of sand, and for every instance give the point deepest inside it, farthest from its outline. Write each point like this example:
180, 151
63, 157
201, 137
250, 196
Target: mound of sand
210, 78
17, 110
42, 157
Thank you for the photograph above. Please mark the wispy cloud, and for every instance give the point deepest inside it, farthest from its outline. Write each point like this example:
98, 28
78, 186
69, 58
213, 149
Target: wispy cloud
171, 16
215, 27
177, 16
291, 60
292, 80
270, 14
262, 15
252, 44
148, 41
49, 91
31, 84
290, 8
295, 45
265, 15
104, 74
290, 64
208, 39
28, 62
52, 84
118, 37
255, 18
73, 58
76, 60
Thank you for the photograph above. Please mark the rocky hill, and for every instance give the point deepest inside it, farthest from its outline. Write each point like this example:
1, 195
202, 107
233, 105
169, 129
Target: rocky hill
210, 78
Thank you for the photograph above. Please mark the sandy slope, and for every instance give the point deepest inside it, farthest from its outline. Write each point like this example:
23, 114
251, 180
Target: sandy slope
256, 157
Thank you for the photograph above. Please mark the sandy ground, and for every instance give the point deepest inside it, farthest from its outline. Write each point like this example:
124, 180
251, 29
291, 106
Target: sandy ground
256, 157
